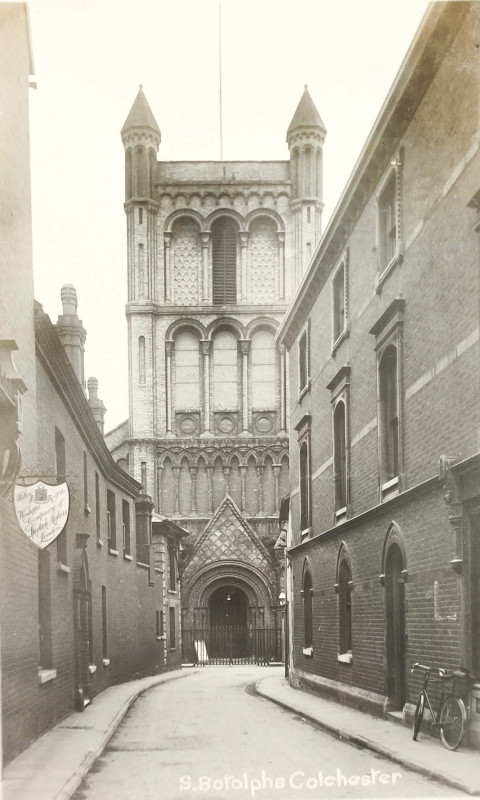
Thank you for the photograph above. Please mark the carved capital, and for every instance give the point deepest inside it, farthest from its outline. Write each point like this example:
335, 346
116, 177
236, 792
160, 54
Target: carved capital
243, 237
244, 346
281, 238
169, 346
167, 238
205, 237
206, 346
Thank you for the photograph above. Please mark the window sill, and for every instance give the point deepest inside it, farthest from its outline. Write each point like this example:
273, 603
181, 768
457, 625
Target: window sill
63, 568
172, 591
46, 675
142, 565
308, 651
161, 638
106, 662
389, 489
92, 668
345, 658
397, 259
340, 515
338, 341
304, 391
305, 534
172, 649
112, 552
128, 557
99, 543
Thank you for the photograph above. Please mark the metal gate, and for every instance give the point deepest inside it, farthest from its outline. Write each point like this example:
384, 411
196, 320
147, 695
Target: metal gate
232, 645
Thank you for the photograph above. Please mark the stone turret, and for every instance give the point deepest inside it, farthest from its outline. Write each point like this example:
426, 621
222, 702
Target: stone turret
305, 137
96, 405
71, 332
141, 138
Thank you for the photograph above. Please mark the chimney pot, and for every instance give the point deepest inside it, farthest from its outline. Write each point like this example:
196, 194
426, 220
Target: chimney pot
69, 299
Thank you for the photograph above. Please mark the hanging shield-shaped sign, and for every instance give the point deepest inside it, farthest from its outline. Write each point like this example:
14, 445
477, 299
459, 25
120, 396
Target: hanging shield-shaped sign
42, 510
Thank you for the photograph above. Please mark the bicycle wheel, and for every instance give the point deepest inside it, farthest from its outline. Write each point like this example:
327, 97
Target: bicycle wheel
417, 719
452, 721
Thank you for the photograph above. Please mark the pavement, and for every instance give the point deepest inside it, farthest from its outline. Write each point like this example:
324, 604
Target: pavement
53, 767
459, 769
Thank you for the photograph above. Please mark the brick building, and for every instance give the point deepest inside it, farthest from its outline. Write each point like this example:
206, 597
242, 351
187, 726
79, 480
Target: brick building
383, 343
215, 252
88, 610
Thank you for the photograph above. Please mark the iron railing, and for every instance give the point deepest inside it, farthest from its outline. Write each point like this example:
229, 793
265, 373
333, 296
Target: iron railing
232, 645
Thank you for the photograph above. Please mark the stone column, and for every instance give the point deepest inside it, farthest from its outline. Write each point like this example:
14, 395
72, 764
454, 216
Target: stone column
205, 236
168, 386
206, 348
283, 391
243, 261
193, 475
276, 486
209, 469
260, 488
244, 348
243, 471
281, 265
167, 239
176, 487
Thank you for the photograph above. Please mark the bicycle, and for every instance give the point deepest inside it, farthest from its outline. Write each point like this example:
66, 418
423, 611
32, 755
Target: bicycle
451, 717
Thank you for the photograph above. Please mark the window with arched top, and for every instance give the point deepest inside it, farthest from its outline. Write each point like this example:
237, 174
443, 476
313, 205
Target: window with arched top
263, 374
187, 372
388, 392
307, 611
345, 606
225, 371
224, 261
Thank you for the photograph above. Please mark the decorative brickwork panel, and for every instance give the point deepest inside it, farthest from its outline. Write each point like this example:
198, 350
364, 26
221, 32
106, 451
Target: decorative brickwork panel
229, 537
262, 262
187, 254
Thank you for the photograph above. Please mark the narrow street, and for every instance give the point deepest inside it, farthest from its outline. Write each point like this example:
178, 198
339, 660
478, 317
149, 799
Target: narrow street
210, 736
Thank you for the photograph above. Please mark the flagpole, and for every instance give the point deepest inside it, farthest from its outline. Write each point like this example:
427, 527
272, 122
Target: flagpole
220, 74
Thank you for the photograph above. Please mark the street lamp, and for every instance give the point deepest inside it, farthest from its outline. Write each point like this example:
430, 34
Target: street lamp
282, 599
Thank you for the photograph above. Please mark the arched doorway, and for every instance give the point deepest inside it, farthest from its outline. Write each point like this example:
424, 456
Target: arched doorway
228, 607
395, 626
82, 600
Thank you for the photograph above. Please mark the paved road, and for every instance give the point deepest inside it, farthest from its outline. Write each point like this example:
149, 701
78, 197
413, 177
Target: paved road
208, 736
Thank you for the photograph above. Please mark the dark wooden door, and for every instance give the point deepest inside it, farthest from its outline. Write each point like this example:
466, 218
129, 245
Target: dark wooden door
395, 621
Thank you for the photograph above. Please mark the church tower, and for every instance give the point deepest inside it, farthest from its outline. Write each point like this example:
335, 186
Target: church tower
215, 252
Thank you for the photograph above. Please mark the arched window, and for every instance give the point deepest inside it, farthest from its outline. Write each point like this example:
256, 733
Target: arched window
307, 609
388, 413
263, 371
140, 172
345, 606
225, 371
187, 372
339, 456
224, 261
141, 360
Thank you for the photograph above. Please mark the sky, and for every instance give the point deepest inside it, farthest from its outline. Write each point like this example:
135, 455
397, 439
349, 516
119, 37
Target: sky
90, 58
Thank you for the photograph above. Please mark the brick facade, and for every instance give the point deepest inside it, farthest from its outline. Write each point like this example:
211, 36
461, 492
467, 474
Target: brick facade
420, 307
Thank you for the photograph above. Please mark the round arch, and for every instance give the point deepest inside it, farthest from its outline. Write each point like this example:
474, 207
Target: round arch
258, 324
186, 323
221, 213
225, 322
188, 213
221, 573
264, 213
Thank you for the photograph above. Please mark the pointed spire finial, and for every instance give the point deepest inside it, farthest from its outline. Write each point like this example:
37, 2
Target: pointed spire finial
305, 85
140, 86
